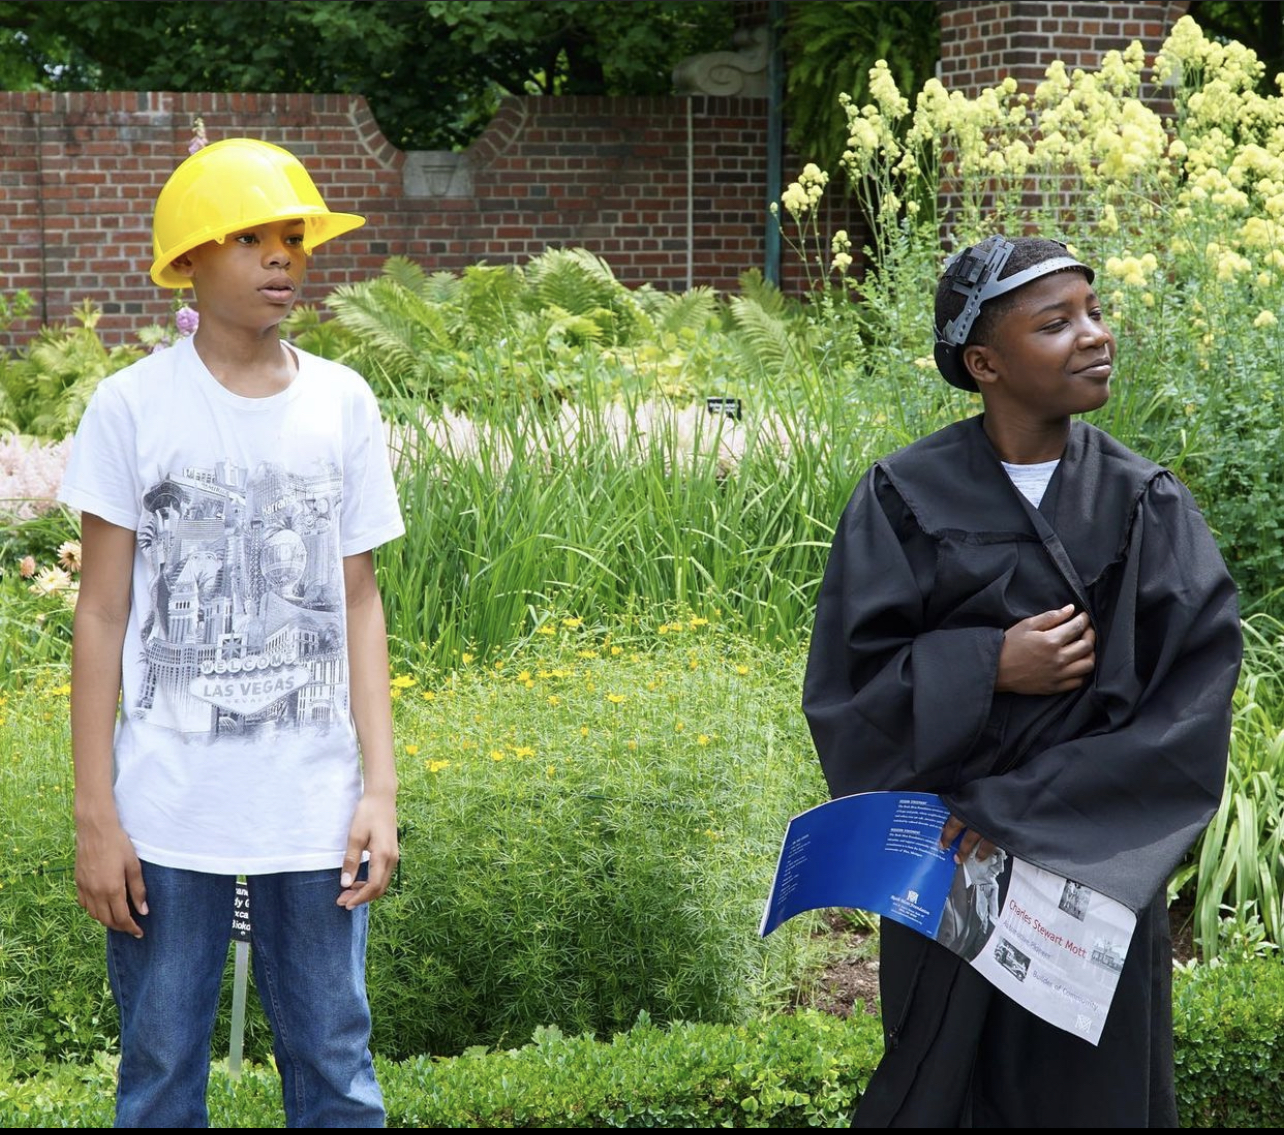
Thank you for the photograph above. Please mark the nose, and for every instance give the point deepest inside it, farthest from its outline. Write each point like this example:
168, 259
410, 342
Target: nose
1093, 331
276, 253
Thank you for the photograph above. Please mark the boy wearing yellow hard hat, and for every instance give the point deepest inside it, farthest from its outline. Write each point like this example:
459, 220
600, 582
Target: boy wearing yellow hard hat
230, 709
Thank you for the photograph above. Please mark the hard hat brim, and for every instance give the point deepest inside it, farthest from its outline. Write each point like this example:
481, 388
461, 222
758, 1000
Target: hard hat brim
319, 224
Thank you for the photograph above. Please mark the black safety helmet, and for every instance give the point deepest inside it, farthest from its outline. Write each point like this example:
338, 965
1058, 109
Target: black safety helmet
975, 273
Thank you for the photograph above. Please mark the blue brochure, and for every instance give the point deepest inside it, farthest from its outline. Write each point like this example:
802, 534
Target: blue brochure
876, 851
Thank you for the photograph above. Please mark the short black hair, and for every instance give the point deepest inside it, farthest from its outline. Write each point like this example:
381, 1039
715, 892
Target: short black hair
1027, 251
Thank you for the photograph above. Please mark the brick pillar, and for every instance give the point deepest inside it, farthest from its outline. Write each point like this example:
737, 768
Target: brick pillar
982, 43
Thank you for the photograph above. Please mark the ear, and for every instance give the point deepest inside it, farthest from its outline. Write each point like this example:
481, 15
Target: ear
183, 265
981, 364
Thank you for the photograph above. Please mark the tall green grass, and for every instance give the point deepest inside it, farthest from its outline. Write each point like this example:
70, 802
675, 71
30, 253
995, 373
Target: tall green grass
1236, 870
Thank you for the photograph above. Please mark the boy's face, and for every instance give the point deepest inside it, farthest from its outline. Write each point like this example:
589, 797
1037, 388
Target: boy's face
1050, 356
252, 279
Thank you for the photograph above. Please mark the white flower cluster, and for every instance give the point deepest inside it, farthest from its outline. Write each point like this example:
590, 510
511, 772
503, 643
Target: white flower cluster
30, 473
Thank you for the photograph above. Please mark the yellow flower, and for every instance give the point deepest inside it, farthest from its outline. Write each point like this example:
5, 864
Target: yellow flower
742, 669
616, 650
403, 682
576, 622
703, 739
554, 700
436, 766
523, 752
1265, 319
496, 755
586, 654
466, 658
615, 699
412, 750
698, 622
546, 629
428, 695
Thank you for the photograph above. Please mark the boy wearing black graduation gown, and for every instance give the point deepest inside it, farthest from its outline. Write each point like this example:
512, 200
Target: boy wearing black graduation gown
1023, 615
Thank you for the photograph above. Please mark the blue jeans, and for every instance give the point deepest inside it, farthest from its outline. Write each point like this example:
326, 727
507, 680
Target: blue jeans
309, 969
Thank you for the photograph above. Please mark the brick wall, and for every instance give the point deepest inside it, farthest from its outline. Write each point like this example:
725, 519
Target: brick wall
982, 43
670, 191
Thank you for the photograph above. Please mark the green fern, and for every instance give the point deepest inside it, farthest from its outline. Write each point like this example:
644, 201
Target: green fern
695, 311
763, 338
410, 275
47, 387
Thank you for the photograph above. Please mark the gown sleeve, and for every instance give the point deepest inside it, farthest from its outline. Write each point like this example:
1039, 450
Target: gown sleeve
890, 703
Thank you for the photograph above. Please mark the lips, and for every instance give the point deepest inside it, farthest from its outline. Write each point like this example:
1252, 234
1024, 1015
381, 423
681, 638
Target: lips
280, 290
1097, 366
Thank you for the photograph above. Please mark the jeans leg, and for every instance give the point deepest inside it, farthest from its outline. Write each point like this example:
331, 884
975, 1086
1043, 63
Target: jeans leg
166, 986
309, 958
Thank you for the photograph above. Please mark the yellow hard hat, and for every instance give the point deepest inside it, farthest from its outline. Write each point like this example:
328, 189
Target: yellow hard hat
232, 185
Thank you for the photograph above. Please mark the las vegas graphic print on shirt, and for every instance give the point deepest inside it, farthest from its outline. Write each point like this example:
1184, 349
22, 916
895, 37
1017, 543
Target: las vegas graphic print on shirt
245, 634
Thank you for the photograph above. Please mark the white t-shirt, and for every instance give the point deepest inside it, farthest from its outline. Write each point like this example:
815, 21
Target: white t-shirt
235, 750
1032, 480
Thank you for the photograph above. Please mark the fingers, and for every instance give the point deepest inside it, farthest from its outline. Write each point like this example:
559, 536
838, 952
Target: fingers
1072, 630
950, 830
972, 841
379, 869
111, 909
378, 877
969, 843
1046, 620
135, 888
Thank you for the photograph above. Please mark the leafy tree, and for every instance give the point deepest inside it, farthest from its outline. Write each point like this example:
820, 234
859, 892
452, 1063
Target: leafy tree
830, 46
431, 71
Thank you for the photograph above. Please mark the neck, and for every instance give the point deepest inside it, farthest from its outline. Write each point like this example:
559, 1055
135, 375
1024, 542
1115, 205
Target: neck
1027, 443
253, 366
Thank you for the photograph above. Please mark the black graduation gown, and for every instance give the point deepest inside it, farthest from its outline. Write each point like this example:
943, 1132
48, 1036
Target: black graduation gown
936, 554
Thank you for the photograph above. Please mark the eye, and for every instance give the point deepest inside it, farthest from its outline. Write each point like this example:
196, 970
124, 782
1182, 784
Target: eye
295, 240
245, 238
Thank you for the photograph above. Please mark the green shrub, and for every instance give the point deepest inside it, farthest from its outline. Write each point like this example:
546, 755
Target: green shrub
589, 833
787, 1070
1228, 1021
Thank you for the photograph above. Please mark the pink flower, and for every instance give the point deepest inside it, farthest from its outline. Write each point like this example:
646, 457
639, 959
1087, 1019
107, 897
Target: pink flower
186, 320
199, 141
27, 568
